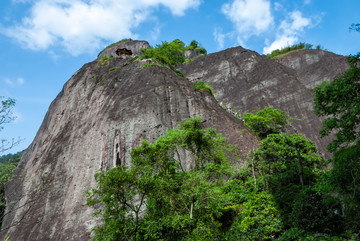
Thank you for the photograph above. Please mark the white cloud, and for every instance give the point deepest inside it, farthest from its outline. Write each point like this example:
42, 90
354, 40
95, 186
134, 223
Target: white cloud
289, 31
82, 25
14, 82
250, 17
221, 37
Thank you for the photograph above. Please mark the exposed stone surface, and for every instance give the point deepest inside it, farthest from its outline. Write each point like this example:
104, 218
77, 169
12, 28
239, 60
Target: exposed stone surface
248, 81
106, 109
134, 45
102, 112
192, 53
314, 66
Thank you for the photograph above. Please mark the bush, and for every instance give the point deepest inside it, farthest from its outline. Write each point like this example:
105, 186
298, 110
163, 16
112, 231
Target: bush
258, 219
288, 49
105, 59
170, 55
312, 214
201, 85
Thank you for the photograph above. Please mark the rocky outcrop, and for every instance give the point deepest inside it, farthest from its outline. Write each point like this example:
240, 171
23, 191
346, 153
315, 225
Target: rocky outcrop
192, 53
109, 106
103, 111
314, 66
248, 81
134, 45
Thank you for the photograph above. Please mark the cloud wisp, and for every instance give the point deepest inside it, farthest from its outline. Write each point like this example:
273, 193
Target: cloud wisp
14, 82
80, 25
250, 17
289, 31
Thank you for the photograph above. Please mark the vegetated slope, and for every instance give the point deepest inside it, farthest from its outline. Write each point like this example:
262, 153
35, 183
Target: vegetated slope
104, 110
248, 81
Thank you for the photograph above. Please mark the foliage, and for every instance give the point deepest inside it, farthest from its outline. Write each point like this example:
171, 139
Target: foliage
162, 198
10, 157
113, 68
6, 116
343, 182
170, 55
258, 220
6, 111
201, 85
267, 121
280, 52
194, 45
105, 59
339, 102
355, 27
286, 164
325, 216
7, 168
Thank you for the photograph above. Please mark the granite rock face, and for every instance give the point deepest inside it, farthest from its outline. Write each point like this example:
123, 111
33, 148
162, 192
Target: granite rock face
108, 107
134, 45
103, 111
248, 81
314, 66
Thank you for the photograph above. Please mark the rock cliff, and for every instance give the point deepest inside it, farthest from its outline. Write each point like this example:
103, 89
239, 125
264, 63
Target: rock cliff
108, 107
134, 45
104, 110
248, 81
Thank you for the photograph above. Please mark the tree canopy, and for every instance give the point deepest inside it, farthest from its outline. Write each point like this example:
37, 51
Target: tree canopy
170, 54
184, 186
339, 102
161, 197
267, 121
6, 116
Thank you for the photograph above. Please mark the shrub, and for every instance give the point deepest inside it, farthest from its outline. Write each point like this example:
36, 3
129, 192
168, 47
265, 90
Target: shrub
170, 55
201, 85
281, 52
105, 59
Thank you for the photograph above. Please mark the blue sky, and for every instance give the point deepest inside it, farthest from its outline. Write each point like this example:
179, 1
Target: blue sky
43, 42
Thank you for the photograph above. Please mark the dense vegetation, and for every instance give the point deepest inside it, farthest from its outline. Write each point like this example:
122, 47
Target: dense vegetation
339, 102
281, 52
285, 191
170, 55
8, 164
280, 193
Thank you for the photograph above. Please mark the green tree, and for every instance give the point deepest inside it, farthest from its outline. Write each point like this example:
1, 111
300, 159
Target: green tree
168, 54
339, 103
171, 54
355, 27
267, 121
160, 197
311, 212
6, 116
289, 156
286, 164
6, 170
258, 220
